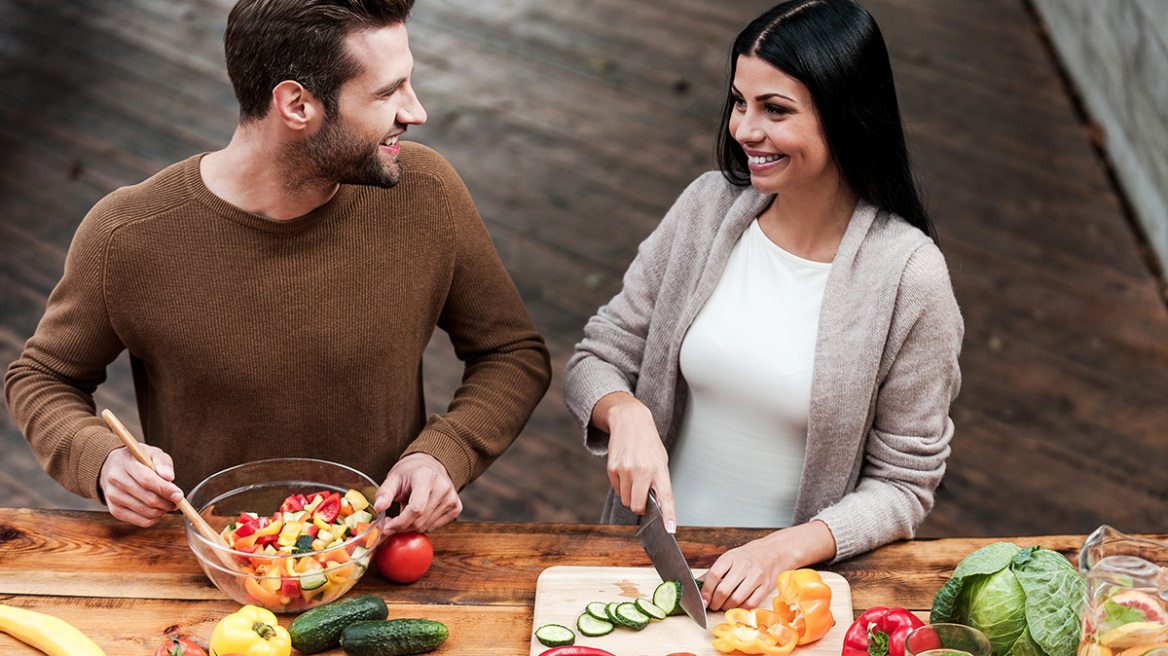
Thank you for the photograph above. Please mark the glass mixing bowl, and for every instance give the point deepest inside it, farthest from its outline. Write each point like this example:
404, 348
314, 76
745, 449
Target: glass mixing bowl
280, 582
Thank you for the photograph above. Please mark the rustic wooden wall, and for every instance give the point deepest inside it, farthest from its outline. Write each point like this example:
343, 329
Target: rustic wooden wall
575, 124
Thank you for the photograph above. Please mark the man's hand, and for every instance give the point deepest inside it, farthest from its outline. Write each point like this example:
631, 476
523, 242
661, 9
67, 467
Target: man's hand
421, 484
133, 492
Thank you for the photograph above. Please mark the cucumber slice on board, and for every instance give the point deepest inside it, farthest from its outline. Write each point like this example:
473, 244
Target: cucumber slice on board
588, 625
629, 615
555, 635
596, 609
649, 608
667, 597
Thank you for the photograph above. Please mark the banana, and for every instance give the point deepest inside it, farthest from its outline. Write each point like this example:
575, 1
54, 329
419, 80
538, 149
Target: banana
52, 635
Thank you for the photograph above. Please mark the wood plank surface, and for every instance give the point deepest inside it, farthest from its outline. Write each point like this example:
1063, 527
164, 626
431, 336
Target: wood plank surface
562, 592
127, 587
138, 626
575, 125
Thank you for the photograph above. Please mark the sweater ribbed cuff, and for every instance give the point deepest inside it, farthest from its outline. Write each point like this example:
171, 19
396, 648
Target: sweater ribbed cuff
590, 384
92, 445
448, 449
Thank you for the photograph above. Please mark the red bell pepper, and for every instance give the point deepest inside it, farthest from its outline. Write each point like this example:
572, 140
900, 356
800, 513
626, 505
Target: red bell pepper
293, 503
289, 587
244, 530
880, 631
329, 508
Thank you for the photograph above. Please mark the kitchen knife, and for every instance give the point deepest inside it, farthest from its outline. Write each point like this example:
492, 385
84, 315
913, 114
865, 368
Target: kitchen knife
669, 561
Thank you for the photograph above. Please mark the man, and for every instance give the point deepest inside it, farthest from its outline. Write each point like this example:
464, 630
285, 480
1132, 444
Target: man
276, 296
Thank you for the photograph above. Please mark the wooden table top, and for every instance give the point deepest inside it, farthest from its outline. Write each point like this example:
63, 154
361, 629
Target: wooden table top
127, 587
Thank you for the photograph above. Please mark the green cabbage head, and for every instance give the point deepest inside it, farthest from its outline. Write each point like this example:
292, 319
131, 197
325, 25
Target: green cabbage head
1027, 601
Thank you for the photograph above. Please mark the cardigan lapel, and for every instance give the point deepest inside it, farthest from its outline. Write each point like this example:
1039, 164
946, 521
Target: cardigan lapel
730, 228
853, 327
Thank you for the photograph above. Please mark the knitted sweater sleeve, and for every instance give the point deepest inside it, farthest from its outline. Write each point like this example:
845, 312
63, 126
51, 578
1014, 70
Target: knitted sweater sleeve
49, 388
610, 356
507, 365
908, 443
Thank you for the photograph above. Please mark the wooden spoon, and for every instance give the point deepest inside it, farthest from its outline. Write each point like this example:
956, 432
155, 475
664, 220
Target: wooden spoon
185, 506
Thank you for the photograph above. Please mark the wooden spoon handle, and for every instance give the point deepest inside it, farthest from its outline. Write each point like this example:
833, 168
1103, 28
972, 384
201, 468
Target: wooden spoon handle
185, 506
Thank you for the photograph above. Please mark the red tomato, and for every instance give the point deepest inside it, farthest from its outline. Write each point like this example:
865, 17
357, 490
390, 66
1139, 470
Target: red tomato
404, 557
179, 647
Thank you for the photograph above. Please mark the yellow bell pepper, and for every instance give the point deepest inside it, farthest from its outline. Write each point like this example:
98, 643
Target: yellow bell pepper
251, 631
757, 631
804, 602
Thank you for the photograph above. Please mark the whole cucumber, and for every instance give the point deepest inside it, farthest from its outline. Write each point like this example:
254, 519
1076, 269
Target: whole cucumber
320, 628
393, 637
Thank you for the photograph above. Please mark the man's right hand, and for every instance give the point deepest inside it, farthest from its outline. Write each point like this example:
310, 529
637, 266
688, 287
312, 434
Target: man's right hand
133, 492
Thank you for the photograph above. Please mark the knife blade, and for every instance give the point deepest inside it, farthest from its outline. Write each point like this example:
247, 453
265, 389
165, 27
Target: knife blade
668, 560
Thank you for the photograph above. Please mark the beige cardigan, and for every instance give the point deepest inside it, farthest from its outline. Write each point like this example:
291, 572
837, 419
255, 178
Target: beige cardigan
886, 357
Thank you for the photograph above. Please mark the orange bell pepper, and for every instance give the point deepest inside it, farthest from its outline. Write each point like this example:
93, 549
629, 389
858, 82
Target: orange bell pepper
260, 593
804, 602
757, 631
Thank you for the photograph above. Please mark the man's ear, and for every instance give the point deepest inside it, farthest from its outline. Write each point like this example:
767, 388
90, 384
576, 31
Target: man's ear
296, 107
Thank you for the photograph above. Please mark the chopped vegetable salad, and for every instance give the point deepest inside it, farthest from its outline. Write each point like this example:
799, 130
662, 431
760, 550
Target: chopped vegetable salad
299, 554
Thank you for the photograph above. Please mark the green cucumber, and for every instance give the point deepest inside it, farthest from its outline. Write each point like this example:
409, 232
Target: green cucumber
667, 597
393, 637
555, 635
649, 608
317, 580
629, 615
303, 544
610, 611
320, 628
596, 609
587, 624
360, 554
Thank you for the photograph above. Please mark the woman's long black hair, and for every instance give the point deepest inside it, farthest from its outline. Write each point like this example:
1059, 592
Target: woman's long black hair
835, 48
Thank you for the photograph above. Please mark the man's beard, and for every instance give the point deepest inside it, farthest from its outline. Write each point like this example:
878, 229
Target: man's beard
334, 155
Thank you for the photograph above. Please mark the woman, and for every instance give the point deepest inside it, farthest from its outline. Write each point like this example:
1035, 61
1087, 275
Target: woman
784, 350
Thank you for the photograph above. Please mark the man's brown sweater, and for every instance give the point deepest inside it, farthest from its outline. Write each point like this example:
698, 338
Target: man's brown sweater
252, 338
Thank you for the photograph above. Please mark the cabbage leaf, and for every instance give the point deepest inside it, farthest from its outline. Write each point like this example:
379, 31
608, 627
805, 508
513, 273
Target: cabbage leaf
1027, 601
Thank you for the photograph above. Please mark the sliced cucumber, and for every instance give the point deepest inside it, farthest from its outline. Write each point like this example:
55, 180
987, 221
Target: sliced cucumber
554, 635
610, 611
360, 554
313, 581
358, 517
667, 597
629, 615
596, 609
649, 608
588, 625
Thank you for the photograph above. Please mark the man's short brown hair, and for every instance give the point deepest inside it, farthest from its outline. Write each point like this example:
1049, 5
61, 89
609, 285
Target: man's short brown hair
270, 41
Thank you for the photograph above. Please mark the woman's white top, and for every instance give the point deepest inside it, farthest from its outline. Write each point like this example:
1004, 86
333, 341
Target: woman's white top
747, 360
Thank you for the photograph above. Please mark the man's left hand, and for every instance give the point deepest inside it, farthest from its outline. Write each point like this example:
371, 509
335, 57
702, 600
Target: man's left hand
428, 498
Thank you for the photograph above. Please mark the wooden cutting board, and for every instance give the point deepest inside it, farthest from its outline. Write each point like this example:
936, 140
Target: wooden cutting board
561, 592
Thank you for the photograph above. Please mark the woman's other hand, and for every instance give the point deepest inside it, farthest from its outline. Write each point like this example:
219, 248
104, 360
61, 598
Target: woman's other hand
746, 575
637, 461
